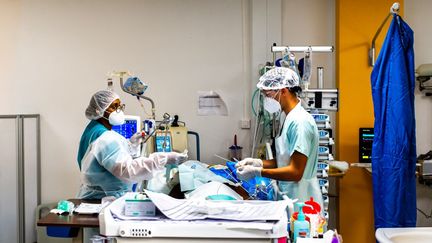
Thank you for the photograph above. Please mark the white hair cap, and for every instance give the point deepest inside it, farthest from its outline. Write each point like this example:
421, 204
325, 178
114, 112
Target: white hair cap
278, 78
99, 102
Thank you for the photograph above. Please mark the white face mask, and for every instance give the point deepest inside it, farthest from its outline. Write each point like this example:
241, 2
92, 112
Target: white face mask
271, 105
116, 118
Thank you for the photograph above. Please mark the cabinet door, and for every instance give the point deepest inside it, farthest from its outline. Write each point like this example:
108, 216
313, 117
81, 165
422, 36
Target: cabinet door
30, 177
8, 181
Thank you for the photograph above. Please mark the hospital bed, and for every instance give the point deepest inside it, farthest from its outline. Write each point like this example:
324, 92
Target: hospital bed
166, 230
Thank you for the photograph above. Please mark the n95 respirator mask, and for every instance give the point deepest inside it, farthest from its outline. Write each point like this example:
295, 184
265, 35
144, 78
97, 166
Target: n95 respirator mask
271, 105
116, 118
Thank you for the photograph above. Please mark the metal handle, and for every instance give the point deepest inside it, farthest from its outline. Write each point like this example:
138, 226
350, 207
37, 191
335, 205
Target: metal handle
394, 9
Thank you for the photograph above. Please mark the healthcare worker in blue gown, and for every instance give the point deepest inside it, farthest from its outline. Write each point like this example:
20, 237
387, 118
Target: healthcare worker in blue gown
105, 158
295, 166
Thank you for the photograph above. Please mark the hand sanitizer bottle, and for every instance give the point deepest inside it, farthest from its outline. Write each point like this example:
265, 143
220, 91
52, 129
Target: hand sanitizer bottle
301, 226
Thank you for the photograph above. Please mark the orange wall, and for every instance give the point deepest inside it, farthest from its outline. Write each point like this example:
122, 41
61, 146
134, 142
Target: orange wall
356, 24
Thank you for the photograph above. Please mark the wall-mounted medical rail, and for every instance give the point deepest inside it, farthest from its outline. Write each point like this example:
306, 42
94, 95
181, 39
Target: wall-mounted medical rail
326, 99
275, 49
394, 9
302, 48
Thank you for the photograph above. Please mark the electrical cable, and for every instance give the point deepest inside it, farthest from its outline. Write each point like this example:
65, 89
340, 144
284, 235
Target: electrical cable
252, 102
424, 214
143, 107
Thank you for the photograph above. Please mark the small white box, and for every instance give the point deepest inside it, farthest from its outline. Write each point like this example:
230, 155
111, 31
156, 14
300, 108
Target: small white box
245, 123
139, 207
427, 168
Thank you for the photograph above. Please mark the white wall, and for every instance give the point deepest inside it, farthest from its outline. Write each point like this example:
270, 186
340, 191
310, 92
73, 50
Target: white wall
417, 15
309, 23
178, 47
55, 54
9, 20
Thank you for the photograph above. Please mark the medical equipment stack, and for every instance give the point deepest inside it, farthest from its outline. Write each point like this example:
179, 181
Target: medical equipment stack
166, 135
324, 155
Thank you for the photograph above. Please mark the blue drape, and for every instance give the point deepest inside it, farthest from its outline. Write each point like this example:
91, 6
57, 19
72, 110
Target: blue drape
394, 145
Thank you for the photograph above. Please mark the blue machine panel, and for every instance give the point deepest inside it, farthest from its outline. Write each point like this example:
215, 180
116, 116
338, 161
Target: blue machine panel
129, 128
163, 142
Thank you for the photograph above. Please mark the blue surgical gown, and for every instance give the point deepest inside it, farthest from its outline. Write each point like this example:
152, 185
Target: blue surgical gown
107, 166
394, 145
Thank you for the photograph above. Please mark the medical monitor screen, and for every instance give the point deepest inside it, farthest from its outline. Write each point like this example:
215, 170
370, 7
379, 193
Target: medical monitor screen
366, 136
163, 142
129, 128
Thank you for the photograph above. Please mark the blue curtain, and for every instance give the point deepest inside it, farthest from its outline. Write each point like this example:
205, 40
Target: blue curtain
394, 145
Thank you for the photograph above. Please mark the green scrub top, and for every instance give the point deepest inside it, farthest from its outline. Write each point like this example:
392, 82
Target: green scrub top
300, 133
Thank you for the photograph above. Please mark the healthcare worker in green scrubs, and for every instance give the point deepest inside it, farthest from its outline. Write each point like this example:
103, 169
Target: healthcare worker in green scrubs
295, 166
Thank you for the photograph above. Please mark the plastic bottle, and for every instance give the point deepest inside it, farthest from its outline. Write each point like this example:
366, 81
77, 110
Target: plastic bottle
320, 77
301, 226
307, 69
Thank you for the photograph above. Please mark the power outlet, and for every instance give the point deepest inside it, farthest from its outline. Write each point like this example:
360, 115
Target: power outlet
245, 123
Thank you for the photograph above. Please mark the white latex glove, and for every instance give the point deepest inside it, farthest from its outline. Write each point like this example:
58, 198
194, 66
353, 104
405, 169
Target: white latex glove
248, 172
135, 170
137, 138
249, 161
170, 157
